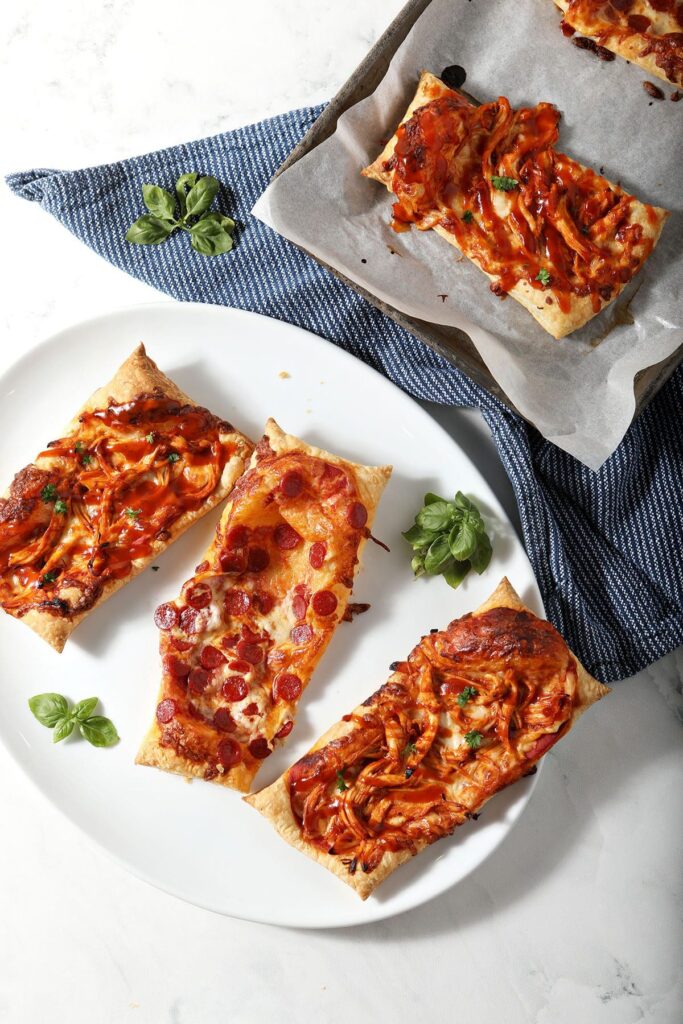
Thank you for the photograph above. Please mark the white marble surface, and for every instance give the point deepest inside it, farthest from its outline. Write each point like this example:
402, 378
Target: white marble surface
577, 917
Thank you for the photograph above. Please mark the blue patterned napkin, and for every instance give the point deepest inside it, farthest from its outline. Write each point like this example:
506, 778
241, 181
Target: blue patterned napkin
606, 547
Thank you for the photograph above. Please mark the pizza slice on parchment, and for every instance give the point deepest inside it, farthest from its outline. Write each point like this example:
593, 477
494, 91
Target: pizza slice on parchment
135, 467
240, 643
646, 32
470, 711
557, 237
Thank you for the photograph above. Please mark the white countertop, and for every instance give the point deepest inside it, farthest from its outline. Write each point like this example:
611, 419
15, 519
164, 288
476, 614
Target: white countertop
576, 917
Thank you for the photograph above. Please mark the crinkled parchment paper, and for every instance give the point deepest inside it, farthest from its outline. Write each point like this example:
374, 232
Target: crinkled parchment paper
578, 391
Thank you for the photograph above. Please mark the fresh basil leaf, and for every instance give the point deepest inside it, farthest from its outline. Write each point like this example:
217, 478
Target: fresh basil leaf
436, 516
99, 731
63, 728
430, 498
185, 181
200, 196
159, 202
84, 709
49, 708
209, 237
481, 555
437, 556
462, 540
418, 537
417, 564
149, 230
455, 573
464, 503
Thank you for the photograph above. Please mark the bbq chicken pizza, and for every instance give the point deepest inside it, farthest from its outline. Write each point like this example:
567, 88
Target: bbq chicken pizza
646, 32
470, 711
241, 641
137, 465
559, 238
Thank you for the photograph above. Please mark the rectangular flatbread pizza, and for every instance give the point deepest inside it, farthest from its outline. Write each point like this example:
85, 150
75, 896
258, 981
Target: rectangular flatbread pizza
240, 643
559, 238
646, 32
472, 710
135, 467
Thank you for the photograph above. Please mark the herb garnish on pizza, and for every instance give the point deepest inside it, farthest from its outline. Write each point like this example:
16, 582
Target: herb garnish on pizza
470, 711
559, 238
137, 465
240, 643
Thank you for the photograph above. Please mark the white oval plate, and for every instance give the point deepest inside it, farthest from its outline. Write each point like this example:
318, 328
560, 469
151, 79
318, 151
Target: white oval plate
200, 841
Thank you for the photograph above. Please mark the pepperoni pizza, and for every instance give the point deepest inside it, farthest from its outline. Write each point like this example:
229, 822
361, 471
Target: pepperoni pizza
472, 710
560, 239
241, 641
138, 464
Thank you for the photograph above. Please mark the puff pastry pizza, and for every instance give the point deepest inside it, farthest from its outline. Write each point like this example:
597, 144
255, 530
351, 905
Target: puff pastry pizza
645, 32
559, 238
136, 466
241, 642
472, 710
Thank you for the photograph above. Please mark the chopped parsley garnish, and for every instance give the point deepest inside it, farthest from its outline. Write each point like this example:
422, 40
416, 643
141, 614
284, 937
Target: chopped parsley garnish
409, 749
543, 276
341, 785
473, 739
60, 507
172, 457
49, 577
132, 513
467, 693
150, 437
49, 492
467, 216
79, 447
86, 459
503, 184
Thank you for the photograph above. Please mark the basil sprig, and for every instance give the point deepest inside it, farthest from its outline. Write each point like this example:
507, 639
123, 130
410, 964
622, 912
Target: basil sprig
210, 233
448, 539
54, 712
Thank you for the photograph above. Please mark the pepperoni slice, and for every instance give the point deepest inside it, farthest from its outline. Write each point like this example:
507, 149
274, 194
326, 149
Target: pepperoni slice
257, 559
240, 666
166, 616
287, 686
176, 667
211, 657
235, 688
299, 607
181, 645
199, 596
202, 567
236, 602
286, 537
223, 720
301, 634
292, 484
237, 537
316, 556
229, 753
166, 709
251, 710
198, 679
230, 641
264, 601
190, 621
249, 652
284, 731
259, 748
232, 561
357, 515
334, 476
324, 602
